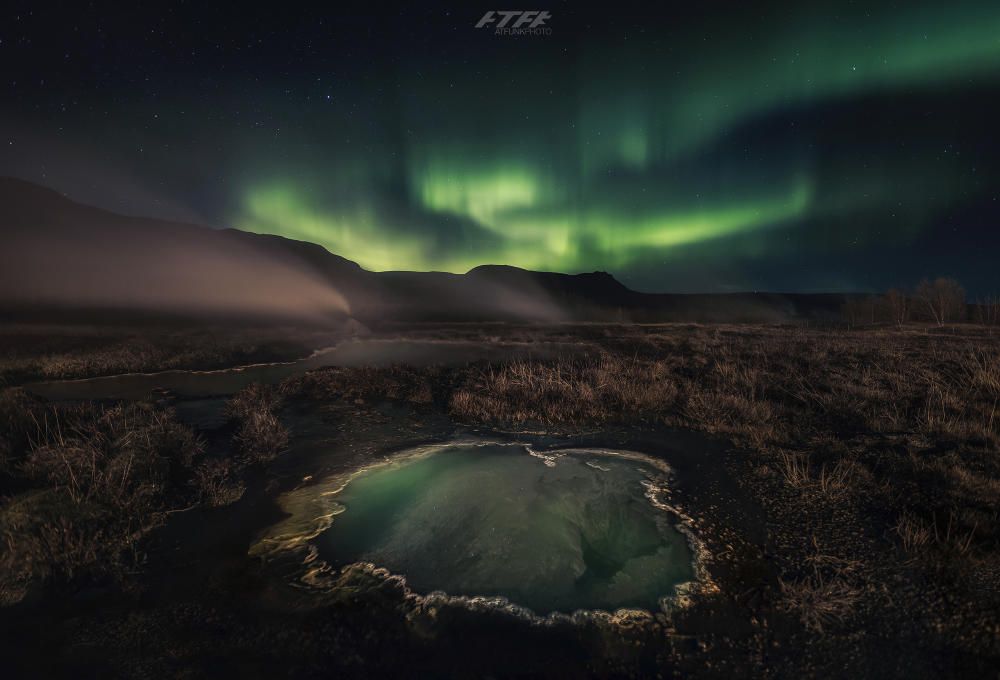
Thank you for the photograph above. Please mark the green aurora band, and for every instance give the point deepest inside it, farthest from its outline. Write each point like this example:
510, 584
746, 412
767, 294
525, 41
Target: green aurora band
647, 152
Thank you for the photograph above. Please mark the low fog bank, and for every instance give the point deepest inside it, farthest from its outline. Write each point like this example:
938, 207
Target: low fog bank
60, 254
60, 258
144, 271
440, 296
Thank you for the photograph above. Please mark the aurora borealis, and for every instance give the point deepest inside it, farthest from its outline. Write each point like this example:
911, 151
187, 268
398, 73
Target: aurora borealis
823, 147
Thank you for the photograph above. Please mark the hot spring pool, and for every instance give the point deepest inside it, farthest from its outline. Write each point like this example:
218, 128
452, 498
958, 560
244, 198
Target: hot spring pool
572, 530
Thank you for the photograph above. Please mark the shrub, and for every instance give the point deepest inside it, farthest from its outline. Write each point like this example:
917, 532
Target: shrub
591, 389
217, 482
371, 383
819, 602
102, 479
259, 436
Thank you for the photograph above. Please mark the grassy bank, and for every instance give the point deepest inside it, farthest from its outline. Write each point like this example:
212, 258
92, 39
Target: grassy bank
84, 483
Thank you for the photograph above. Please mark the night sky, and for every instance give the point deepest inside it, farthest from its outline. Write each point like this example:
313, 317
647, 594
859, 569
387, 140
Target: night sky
743, 146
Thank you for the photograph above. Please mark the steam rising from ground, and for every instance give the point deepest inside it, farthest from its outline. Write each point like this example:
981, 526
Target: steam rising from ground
59, 253
232, 278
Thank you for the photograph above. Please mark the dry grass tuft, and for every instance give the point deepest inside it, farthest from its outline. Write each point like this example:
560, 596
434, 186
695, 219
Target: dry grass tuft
913, 533
820, 603
364, 384
569, 390
794, 468
95, 480
217, 482
838, 477
260, 436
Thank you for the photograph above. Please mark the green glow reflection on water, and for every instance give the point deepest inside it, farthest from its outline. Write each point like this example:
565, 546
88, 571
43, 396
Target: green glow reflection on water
493, 520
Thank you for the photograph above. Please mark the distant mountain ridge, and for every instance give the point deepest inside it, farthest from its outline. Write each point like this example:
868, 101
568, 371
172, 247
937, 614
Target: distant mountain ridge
61, 255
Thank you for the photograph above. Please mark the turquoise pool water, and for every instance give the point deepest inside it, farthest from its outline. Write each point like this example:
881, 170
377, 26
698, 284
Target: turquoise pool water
577, 530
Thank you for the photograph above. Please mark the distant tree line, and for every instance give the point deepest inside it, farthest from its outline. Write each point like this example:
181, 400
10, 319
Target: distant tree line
941, 302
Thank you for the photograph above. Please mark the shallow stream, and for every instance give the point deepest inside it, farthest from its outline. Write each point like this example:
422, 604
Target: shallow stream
187, 384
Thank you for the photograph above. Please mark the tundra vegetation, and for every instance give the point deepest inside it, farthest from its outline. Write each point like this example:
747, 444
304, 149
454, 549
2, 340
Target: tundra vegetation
872, 450
875, 450
84, 482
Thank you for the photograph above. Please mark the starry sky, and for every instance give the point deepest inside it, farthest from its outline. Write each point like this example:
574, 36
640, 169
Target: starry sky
728, 146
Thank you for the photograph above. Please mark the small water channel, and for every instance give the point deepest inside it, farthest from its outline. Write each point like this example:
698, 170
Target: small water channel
190, 384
